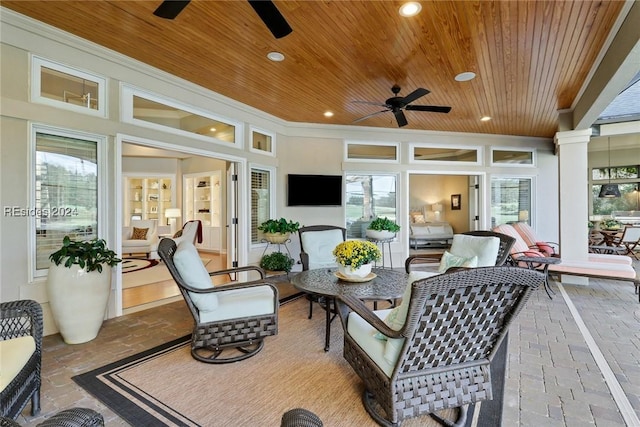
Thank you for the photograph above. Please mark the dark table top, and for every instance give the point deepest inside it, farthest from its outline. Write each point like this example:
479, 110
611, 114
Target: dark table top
389, 284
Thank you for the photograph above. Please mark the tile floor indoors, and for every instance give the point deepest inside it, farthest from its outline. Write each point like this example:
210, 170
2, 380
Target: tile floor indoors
573, 360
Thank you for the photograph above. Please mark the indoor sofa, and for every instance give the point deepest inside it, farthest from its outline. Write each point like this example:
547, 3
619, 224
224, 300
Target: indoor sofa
430, 234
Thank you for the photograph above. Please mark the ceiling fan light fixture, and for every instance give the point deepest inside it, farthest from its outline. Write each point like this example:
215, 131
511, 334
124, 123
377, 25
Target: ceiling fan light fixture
275, 56
465, 77
411, 8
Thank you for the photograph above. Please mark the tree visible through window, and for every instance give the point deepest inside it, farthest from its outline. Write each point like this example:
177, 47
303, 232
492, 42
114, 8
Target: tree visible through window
510, 200
368, 197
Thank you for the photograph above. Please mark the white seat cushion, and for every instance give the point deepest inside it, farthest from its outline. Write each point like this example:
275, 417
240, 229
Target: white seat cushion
14, 354
364, 334
485, 248
319, 246
237, 303
192, 270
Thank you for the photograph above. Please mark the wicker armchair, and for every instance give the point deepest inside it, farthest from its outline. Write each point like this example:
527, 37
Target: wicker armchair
18, 320
504, 248
74, 417
299, 417
231, 320
316, 251
454, 325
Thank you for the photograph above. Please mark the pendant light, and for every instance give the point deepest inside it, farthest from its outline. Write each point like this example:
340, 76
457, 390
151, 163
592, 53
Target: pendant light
609, 190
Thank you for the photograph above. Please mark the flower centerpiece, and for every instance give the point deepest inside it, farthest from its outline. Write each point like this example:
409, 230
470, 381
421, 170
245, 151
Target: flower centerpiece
382, 228
354, 257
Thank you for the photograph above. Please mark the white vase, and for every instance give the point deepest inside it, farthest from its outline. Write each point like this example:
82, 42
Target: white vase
78, 300
380, 234
362, 271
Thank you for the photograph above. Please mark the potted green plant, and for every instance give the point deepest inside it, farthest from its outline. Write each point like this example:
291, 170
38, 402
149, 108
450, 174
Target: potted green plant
382, 228
277, 261
78, 284
278, 230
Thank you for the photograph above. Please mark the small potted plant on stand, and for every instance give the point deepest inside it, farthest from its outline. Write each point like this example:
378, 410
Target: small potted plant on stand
278, 230
382, 228
277, 261
78, 284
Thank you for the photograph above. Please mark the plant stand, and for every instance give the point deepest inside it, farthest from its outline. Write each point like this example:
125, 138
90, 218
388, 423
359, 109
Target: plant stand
381, 243
278, 244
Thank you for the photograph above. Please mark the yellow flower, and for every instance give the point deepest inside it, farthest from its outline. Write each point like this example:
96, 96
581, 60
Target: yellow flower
355, 253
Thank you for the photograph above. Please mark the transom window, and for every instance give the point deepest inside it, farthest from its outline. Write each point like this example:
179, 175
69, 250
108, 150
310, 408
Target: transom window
446, 154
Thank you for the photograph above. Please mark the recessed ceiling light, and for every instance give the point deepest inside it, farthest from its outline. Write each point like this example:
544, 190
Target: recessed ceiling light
275, 56
485, 118
411, 8
328, 113
466, 76
212, 129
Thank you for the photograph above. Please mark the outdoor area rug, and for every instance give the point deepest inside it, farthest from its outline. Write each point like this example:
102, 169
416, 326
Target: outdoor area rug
166, 386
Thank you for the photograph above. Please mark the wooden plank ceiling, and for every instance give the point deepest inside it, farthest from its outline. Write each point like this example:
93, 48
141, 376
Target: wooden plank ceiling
531, 57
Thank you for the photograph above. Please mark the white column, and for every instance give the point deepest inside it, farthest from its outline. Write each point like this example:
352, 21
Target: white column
574, 188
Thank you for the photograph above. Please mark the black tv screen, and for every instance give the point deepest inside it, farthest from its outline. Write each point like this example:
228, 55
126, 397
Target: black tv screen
314, 190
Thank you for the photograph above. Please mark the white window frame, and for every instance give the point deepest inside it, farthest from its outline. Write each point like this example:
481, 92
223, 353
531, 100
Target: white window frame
396, 175
37, 63
347, 143
478, 148
533, 152
127, 92
272, 197
532, 178
272, 135
101, 142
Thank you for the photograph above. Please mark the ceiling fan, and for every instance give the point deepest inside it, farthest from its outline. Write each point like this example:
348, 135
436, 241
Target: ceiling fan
396, 104
266, 10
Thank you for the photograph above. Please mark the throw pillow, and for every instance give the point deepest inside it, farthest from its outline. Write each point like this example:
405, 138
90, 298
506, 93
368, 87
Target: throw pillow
192, 270
545, 248
449, 260
139, 233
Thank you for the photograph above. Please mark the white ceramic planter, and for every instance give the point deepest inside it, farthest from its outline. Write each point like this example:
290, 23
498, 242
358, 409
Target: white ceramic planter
78, 301
380, 234
359, 272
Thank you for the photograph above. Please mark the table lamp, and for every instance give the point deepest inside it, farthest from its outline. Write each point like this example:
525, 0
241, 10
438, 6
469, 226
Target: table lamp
172, 214
437, 209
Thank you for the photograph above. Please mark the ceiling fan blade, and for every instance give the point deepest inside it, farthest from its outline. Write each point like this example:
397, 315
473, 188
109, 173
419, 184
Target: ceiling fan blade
431, 108
377, 104
369, 115
420, 92
400, 118
272, 18
169, 9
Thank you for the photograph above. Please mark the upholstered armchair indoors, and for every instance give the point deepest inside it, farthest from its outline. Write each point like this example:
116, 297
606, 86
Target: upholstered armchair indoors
316, 249
21, 354
490, 249
141, 237
232, 320
434, 350
191, 231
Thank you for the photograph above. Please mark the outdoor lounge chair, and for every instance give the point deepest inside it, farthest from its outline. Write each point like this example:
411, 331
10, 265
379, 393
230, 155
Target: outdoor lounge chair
435, 352
231, 320
629, 241
21, 352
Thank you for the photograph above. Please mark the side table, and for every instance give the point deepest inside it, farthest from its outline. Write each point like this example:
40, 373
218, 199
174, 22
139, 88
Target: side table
534, 263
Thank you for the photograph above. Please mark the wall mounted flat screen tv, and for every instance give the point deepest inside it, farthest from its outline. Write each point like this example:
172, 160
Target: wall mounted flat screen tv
314, 190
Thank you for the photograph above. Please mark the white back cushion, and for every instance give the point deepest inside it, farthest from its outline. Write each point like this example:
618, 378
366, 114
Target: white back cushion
192, 270
485, 248
319, 245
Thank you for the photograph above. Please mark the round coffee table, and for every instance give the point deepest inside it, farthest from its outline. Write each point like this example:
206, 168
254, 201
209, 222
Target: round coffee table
387, 285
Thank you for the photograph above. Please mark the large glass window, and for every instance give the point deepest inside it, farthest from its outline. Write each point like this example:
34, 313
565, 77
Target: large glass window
368, 197
628, 180
510, 200
260, 200
65, 192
